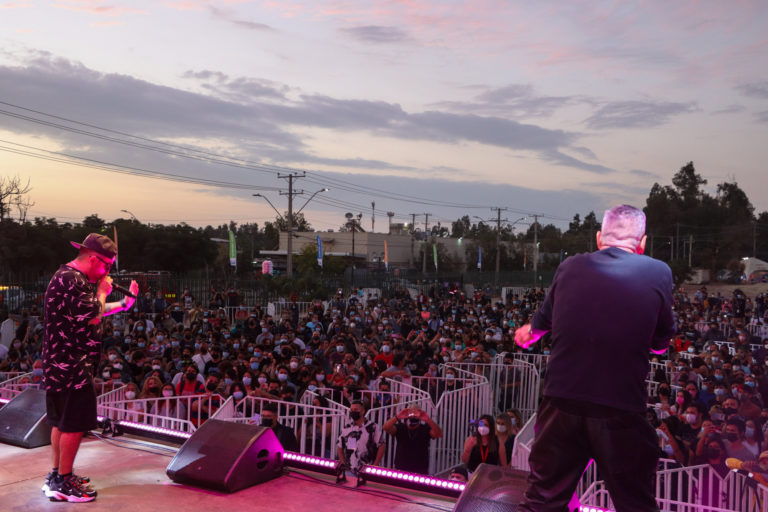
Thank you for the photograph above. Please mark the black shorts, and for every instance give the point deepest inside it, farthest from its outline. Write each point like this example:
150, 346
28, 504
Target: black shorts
72, 410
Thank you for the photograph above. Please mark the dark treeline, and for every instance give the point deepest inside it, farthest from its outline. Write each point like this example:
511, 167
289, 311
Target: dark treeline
686, 225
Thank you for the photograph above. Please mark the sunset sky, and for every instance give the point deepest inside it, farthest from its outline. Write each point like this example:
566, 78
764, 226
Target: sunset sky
179, 111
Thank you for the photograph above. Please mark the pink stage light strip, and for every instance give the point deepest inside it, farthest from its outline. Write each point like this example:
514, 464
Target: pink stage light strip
310, 460
437, 484
4, 400
150, 428
587, 508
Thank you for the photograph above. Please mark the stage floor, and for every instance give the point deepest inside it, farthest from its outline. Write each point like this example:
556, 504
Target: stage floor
130, 477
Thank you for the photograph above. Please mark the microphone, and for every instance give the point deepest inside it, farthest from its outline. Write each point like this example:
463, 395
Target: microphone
124, 291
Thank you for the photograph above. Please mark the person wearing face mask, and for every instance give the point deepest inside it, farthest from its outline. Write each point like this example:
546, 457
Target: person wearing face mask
202, 408
286, 436
753, 437
713, 454
734, 435
189, 383
75, 303
169, 407
505, 433
483, 446
360, 442
413, 429
605, 311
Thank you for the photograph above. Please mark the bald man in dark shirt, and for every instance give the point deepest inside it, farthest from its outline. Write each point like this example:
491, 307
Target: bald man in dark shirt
606, 311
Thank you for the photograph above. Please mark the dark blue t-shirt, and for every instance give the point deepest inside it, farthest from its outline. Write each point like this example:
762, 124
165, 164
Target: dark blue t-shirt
606, 310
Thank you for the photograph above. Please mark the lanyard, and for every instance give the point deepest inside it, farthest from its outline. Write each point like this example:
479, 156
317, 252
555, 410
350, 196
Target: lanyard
484, 456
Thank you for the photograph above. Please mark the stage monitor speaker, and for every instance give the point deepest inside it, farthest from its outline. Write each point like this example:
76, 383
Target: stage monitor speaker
493, 489
22, 420
227, 456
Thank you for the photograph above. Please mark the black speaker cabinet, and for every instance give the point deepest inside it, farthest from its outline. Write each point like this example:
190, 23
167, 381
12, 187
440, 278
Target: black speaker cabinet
22, 420
493, 489
227, 457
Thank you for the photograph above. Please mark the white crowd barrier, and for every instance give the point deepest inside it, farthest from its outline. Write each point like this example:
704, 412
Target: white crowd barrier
693, 489
453, 412
276, 309
514, 386
10, 388
317, 429
521, 446
759, 330
182, 413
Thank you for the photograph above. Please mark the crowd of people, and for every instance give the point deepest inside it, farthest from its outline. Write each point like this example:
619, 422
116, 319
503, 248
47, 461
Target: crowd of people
709, 404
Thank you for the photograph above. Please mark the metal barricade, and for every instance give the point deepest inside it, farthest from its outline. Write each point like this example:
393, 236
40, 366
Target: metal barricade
182, 413
317, 429
10, 388
514, 386
454, 410
4, 376
521, 446
276, 309
692, 489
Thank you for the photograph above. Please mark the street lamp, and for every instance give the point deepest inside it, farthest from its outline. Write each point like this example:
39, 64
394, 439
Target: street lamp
270, 204
133, 217
289, 224
312, 197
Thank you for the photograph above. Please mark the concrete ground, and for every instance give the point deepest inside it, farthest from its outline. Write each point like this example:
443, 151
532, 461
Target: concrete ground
130, 477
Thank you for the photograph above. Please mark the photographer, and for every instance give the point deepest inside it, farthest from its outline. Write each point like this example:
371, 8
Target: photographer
413, 429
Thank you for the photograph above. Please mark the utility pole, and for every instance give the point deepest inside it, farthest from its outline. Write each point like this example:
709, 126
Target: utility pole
413, 228
390, 215
535, 249
289, 220
690, 248
677, 240
424, 252
498, 211
373, 214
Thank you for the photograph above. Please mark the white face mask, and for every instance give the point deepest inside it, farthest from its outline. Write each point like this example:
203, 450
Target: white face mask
130, 395
501, 428
483, 430
167, 392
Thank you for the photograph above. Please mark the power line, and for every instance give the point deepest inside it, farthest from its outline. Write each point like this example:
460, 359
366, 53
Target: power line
211, 157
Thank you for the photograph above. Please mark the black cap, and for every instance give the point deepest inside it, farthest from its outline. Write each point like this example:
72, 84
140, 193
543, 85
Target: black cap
101, 244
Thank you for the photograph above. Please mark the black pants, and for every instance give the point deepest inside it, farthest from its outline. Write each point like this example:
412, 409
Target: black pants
623, 444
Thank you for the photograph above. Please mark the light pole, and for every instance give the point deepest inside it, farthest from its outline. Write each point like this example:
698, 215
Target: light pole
289, 221
312, 197
352, 223
133, 217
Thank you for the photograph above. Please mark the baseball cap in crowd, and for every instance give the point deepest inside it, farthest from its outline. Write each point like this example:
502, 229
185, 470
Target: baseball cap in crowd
98, 243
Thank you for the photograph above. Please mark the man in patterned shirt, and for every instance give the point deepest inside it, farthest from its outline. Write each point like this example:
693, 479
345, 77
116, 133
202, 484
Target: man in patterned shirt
361, 442
75, 303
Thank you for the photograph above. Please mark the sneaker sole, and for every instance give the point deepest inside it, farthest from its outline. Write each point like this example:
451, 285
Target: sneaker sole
57, 496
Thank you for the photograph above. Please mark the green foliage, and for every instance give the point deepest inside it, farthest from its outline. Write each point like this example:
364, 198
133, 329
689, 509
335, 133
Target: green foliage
681, 272
686, 222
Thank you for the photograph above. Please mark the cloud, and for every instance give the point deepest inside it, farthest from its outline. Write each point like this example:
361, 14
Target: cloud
15, 5
256, 118
514, 100
228, 17
376, 34
643, 174
730, 109
239, 89
96, 7
762, 117
637, 114
754, 89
